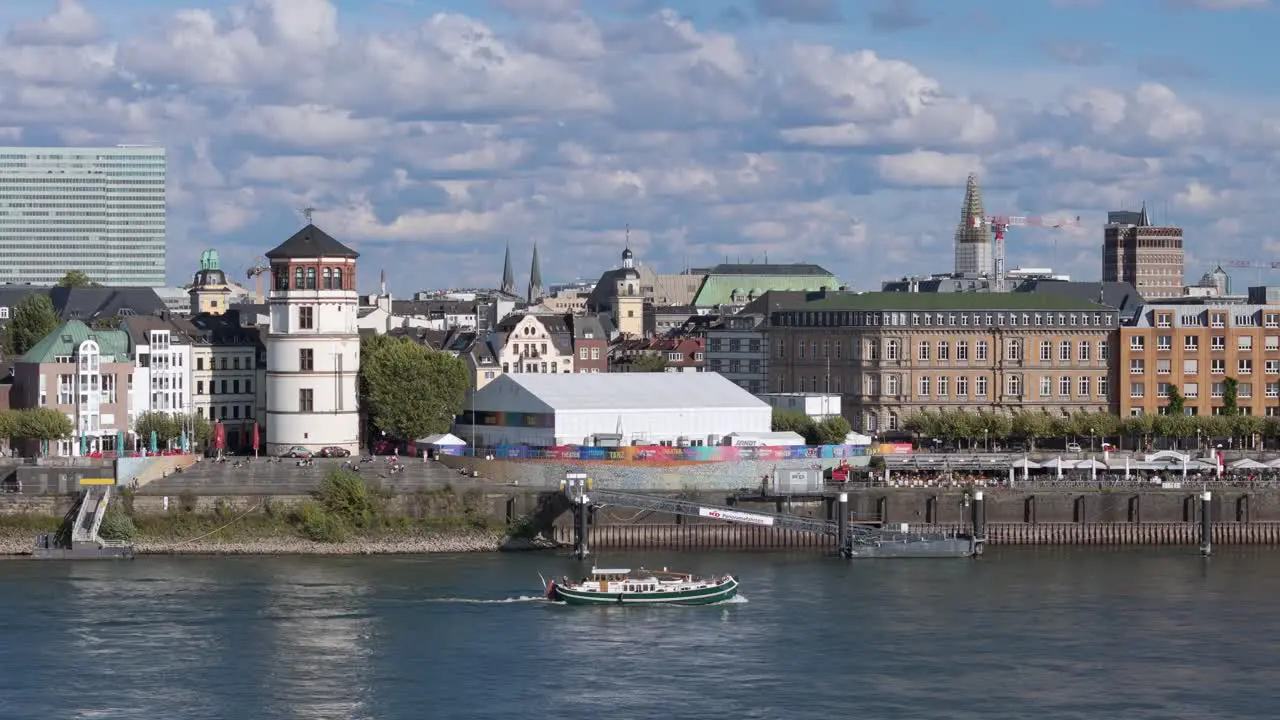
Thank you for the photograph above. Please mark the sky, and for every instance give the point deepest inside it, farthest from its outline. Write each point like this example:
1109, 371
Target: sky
429, 136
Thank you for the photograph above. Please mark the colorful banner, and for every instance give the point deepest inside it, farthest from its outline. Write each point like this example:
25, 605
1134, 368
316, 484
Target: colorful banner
894, 449
668, 454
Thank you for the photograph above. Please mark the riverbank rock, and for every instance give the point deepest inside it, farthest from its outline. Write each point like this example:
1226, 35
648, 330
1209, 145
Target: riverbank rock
460, 542
537, 542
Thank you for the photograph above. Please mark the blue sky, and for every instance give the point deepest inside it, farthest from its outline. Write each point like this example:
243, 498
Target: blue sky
430, 135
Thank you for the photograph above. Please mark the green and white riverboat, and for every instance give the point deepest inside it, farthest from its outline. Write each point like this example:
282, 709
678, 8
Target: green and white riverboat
616, 586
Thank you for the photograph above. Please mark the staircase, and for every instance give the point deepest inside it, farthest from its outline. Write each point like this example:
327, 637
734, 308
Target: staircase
93, 508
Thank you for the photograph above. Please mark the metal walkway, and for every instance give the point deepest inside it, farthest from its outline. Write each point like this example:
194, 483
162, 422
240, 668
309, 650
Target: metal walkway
851, 540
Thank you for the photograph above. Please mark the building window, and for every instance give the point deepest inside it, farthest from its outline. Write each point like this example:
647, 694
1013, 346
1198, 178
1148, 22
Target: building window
1218, 366
595, 354
962, 349
944, 350
1102, 350
1064, 351
1164, 366
1191, 343
891, 350
923, 350
1102, 387
1046, 387
299, 279
1082, 387
199, 387
1064, 386
962, 386
1015, 386
1014, 349
980, 386
1137, 342
248, 386
1244, 367
1245, 342
199, 363
1046, 351
66, 389
582, 353
306, 400
4, 313
1084, 351
1136, 390
980, 351
328, 279
924, 385
311, 278
307, 360
306, 319
1191, 367
1218, 342
943, 388
1137, 366
891, 386
337, 279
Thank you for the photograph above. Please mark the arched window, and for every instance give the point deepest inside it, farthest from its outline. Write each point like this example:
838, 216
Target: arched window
280, 277
311, 278
299, 279
328, 279
337, 279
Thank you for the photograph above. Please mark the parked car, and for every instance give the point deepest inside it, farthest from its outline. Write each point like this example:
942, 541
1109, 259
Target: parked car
297, 451
334, 452
1074, 448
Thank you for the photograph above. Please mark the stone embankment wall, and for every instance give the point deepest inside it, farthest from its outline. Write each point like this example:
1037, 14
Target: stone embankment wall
726, 476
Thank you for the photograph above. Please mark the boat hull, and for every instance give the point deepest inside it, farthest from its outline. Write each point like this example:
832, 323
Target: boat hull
700, 596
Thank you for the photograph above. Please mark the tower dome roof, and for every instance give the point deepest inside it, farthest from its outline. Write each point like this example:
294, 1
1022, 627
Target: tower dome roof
627, 254
209, 277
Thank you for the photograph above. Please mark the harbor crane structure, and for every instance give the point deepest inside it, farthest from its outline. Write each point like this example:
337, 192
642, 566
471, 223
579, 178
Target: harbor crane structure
1258, 265
1000, 224
255, 273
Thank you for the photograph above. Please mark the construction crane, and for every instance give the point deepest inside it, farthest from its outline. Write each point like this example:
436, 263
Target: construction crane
1000, 224
1258, 265
260, 268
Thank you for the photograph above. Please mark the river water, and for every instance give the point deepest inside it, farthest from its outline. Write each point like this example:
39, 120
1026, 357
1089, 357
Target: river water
1082, 634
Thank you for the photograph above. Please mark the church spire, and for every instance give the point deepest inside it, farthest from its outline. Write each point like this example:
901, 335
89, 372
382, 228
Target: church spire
508, 275
973, 233
535, 279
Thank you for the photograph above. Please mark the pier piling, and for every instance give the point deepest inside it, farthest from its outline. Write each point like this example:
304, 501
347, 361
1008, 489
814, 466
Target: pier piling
1206, 523
842, 525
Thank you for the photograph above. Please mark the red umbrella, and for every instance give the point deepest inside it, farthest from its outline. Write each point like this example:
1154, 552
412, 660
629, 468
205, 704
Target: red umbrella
255, 438
219, 436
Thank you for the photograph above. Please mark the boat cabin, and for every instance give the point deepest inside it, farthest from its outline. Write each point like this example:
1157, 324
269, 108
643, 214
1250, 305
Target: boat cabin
624, 580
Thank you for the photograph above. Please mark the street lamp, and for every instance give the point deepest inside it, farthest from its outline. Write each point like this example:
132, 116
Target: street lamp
1091, 440
986, 440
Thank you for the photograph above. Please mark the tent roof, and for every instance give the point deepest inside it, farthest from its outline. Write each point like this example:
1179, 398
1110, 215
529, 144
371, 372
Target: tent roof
628, 391
442, 440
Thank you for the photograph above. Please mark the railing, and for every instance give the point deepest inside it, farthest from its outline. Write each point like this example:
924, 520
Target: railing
1191, 482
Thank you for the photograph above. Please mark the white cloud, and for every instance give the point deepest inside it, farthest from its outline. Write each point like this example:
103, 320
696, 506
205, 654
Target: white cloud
446, 136
926, 168
70, 24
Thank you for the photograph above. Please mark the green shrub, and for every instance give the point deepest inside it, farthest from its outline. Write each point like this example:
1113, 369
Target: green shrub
346, 497
318, 524
188, 501
117, 525
223, 509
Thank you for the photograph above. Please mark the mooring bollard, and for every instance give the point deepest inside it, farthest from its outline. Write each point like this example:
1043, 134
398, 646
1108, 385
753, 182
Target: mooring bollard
1206, 523
842, 525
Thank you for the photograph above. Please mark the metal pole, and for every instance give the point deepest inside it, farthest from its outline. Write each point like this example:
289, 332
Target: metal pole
979, 517
842, 525
581, 550
1206, 523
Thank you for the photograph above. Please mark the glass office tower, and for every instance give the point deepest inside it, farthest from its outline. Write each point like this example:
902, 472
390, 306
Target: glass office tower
98, 210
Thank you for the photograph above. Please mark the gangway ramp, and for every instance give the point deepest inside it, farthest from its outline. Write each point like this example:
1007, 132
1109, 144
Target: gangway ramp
853, 541
689, 508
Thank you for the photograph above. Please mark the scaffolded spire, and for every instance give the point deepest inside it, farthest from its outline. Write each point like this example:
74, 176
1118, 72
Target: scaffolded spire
973, 235
535, 279
508, 275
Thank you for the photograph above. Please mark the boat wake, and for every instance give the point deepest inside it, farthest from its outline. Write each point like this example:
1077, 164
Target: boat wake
735, 600
483, 601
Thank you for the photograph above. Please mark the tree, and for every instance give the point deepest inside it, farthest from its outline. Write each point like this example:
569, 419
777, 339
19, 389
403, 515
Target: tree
76, 279
164, 425
1230, 397
791, 421
412, 390
33, 319
1177, 403
43, 424
648, 362
831, 431
1032, 426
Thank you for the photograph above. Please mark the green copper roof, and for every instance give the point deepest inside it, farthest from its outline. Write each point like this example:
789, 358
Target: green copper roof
720, 288
68, 336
